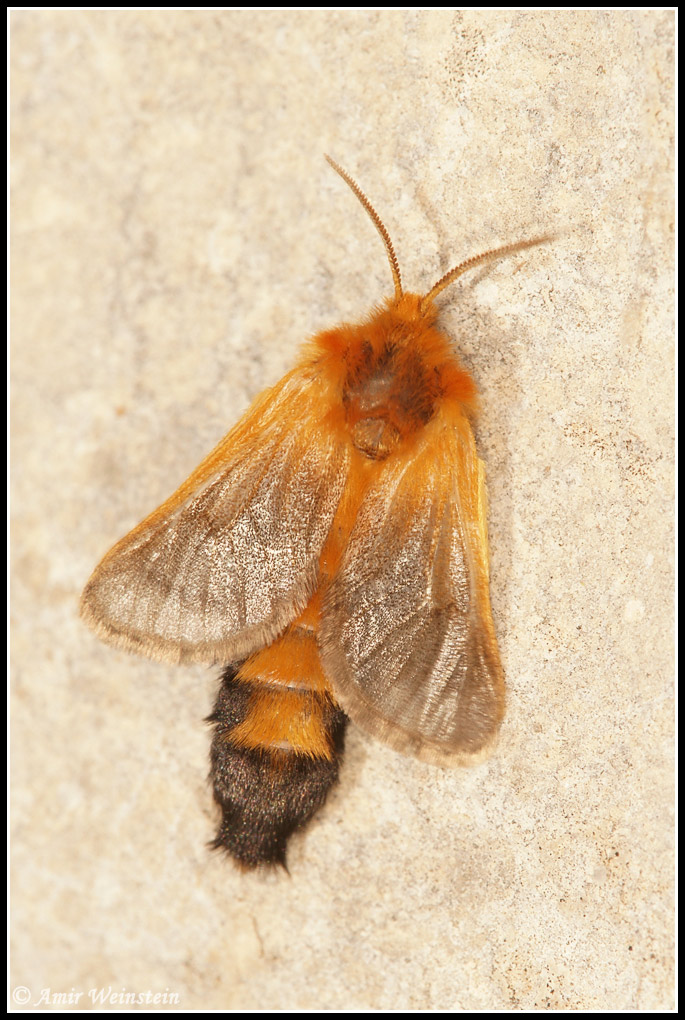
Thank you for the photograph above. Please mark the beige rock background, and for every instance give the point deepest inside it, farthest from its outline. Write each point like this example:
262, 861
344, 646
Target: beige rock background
176, 233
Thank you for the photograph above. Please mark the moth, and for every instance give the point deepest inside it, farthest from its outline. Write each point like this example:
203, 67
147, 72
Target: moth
331, 554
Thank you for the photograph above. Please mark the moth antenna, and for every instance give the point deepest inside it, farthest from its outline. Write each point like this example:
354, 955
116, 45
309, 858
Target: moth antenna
476, 260
377, 222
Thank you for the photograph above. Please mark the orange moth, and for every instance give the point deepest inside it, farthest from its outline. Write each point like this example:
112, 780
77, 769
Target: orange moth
331, 553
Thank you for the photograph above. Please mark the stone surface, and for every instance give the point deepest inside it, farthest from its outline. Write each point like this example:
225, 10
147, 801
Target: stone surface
175, 234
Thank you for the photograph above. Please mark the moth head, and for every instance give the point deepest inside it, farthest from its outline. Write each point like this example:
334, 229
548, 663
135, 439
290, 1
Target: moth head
413, 306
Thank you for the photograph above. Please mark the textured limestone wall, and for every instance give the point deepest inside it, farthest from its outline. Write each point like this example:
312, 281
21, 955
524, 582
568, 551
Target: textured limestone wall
176, 233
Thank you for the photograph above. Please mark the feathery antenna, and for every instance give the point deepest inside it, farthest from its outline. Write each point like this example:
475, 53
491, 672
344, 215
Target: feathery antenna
476, 260
377, 222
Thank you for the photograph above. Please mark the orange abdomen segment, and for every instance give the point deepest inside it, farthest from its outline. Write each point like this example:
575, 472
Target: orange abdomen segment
288, 702
277, 747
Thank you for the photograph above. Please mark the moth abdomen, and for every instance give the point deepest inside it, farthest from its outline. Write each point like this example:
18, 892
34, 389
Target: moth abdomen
276, 750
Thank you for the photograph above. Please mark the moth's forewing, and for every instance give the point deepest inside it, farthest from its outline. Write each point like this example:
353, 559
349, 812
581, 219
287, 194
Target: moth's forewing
231, 558
407, 638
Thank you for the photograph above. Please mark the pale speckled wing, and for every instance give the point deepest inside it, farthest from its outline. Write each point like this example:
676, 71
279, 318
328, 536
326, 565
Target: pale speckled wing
232, 557
407, 635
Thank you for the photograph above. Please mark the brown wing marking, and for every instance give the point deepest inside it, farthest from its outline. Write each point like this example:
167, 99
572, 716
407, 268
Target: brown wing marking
407, 635
232, 557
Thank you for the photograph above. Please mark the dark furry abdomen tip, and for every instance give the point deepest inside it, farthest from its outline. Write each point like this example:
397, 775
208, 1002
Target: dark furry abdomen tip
264, 795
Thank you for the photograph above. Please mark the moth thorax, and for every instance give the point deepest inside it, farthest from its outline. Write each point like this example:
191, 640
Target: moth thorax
386, 402
376, 437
